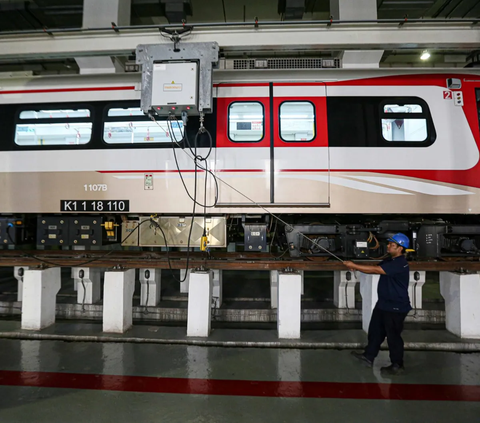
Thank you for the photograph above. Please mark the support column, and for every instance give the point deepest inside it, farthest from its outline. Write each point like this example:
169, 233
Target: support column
40, 288
415, 286
117, 300
217, 287
200, 303
289, 305
273, 289
462, 300
88, 284
344, 282
150, 282
368, 291
18, 274
357, 10
184, 285
101, 14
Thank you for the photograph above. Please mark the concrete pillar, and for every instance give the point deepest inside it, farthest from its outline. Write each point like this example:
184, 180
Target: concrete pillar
273, 289
368, 291
357, 10
415, 286
150, 282
117, 300
40, 288
88, 284
462, 303
18, 274
344, 282
289, 305
101, 14
184, 285
217, 287
200, 303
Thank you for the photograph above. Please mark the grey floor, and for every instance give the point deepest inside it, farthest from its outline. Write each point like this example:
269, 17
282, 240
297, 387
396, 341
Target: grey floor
33, 404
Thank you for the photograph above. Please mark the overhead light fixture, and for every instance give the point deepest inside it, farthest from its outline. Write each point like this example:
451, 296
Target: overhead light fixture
425, 55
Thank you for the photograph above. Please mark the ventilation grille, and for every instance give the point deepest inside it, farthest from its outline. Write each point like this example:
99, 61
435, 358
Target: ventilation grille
297, 63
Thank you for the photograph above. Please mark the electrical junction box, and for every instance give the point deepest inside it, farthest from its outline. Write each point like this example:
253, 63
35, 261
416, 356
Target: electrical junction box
175, 88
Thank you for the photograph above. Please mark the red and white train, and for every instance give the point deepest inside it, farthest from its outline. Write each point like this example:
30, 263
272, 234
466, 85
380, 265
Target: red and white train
302, 144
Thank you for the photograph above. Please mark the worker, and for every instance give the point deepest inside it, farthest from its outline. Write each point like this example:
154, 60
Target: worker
392, 306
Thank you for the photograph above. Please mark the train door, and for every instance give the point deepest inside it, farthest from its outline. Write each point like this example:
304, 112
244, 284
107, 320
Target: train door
243, 145
300, 171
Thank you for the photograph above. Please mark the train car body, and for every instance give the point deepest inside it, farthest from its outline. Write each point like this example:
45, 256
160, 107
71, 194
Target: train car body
294, 142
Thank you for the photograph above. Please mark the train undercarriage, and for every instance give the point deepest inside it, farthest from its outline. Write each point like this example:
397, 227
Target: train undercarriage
345, 236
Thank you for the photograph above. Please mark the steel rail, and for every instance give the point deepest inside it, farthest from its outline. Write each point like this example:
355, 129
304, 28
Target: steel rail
224, 261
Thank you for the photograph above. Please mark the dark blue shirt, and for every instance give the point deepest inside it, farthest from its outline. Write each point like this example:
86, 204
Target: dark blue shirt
393, 287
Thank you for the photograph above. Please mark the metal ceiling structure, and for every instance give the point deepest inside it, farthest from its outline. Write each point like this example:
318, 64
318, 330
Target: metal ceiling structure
38, 14
285, 28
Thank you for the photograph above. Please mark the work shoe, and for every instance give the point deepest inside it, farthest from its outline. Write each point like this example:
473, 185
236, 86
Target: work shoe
393, 370
360, 356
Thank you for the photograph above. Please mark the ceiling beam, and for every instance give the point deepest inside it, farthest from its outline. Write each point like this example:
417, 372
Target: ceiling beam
314, 37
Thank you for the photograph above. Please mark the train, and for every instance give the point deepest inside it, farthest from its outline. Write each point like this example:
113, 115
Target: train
300, 161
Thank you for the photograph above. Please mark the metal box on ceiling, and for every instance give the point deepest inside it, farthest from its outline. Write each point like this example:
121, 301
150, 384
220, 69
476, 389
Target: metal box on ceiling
175, 87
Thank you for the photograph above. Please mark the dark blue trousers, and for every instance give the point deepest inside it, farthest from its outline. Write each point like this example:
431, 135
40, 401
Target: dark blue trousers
387, 324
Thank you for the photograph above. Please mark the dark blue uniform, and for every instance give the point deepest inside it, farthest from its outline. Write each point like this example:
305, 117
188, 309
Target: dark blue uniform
390, 311
393, 287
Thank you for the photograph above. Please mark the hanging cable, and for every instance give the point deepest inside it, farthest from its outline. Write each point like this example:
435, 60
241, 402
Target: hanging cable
193, 156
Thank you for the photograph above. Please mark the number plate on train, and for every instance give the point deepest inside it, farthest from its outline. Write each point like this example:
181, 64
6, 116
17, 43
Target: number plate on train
104, 206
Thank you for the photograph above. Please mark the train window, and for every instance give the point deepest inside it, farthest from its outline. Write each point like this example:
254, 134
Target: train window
397, 125
53, 127
139, 128
379, 122
53, 133
129, 111
404, 129
246, 121
402, 108
54, 114
297, 121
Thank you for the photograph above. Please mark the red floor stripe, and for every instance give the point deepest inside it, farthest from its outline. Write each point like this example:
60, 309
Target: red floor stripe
379, 391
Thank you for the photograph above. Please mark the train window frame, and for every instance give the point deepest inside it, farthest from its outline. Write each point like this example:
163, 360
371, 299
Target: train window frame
364, 114
423, 115
280, 120
138, 118
263, 121
18, 120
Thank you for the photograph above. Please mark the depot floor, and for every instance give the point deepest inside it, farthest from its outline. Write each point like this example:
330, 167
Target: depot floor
53, 381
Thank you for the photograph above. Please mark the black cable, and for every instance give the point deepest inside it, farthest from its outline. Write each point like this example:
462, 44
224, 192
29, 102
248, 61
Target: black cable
196, 159
84, 295
148, 294
9, 225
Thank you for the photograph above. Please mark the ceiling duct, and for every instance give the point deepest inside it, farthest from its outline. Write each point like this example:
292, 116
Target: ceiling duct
176, 11
291, 9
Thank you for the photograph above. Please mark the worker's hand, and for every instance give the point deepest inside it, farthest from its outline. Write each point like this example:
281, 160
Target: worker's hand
349, 264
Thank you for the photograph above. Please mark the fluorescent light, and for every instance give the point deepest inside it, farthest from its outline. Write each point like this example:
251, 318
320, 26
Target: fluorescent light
425, 55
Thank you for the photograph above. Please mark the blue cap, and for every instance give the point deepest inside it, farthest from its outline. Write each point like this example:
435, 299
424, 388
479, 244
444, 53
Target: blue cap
400, 239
